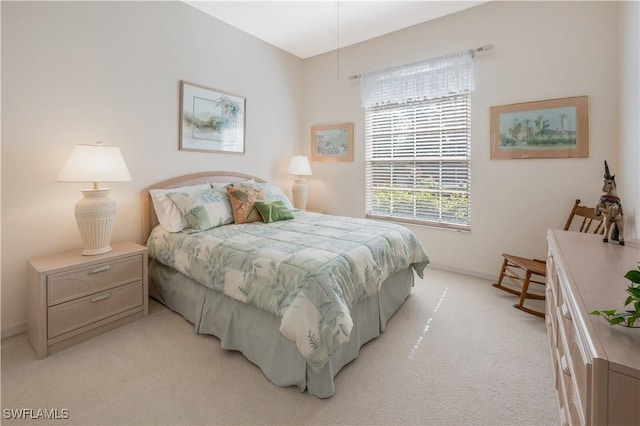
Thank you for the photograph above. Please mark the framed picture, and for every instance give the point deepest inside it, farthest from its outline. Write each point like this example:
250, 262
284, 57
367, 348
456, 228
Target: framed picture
332, 142
211, 120
556, 128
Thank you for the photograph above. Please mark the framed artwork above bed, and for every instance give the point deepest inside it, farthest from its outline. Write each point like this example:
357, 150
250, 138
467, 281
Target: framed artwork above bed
211, 120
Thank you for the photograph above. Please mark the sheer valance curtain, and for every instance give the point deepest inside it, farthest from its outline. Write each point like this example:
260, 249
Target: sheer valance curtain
429, 79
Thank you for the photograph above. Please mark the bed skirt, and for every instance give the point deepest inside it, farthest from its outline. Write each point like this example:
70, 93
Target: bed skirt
256, 334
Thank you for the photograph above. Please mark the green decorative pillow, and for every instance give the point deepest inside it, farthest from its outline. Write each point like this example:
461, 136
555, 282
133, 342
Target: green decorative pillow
204, 209
273, 211
242, 203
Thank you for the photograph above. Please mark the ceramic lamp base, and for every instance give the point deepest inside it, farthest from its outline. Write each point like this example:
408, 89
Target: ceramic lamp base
95, 214
300, 192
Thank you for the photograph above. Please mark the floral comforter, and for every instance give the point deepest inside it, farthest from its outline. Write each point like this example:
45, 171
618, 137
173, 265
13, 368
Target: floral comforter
308, 271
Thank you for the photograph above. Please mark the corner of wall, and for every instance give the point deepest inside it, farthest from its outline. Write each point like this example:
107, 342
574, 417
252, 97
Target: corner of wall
629, 108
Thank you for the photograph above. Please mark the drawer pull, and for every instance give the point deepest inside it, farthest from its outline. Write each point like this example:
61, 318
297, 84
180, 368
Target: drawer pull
100, 269
101, 297
565, 366
565, 312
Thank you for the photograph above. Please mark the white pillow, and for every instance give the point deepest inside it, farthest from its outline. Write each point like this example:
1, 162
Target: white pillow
167, 212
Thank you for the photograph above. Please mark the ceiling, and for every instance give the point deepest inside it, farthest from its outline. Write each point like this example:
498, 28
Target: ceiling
307, 28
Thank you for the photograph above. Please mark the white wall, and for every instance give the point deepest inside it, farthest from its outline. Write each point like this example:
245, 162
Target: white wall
543, 50
78, 72
628, 178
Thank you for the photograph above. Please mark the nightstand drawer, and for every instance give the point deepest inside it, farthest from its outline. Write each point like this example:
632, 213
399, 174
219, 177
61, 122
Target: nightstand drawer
67, 286
78, 313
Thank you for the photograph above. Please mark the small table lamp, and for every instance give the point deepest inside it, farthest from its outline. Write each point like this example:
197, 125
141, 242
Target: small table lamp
95, 212
299, 165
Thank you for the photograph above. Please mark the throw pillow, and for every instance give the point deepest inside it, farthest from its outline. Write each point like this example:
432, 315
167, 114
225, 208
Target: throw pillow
205, 209
271, 192
243, 203
273, 211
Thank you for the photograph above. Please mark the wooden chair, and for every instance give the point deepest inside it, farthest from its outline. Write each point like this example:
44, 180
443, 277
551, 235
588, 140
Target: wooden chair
522, 271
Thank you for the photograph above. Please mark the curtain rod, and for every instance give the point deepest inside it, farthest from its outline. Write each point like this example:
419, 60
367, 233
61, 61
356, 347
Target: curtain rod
482, 48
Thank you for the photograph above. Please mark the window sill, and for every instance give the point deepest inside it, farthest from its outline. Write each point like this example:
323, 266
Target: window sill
444, 226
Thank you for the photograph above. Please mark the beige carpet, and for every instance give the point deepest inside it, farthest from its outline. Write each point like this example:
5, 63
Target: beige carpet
456, 353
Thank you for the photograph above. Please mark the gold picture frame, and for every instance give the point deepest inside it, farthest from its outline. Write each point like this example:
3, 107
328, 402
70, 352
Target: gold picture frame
554, 128
332, 143
211, 120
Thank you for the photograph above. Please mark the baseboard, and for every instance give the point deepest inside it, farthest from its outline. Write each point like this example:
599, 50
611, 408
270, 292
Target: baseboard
475, 274
13, 330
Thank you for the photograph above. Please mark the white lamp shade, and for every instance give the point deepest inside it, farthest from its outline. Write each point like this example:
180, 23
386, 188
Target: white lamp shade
299, 165
95, 163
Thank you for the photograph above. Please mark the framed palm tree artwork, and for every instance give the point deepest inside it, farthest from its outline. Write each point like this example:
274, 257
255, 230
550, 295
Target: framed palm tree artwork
211, 120
555, 128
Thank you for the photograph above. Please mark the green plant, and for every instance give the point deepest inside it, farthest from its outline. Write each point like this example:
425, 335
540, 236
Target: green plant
628, 317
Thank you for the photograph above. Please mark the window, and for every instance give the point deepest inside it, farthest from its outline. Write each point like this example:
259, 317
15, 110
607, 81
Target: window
418, 158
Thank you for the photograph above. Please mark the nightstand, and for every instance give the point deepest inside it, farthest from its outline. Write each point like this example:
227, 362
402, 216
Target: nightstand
72, 297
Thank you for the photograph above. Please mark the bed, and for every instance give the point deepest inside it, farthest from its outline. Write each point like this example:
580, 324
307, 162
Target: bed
297, 293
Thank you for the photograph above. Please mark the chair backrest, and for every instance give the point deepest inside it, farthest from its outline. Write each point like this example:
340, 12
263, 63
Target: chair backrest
589, 219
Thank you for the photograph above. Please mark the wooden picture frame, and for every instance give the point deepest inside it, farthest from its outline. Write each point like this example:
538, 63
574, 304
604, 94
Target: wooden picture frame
211, 120
555, 128
332, 143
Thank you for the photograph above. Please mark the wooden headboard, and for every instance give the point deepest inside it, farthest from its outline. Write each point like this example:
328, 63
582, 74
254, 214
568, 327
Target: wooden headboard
149, 218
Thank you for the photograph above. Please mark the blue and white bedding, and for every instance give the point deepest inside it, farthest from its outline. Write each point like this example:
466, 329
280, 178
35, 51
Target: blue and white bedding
308, 271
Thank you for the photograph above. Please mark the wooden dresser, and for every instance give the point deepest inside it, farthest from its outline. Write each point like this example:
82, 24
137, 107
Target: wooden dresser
596, 366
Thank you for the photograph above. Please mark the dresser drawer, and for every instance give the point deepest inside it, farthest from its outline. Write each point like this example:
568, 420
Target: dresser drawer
67, 286
580, 374
566, 319
573, 371
86, 310
551, 320
572, 403
552, 275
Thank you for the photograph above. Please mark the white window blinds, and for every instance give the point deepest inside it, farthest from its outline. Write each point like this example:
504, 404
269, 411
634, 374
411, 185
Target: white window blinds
418, 148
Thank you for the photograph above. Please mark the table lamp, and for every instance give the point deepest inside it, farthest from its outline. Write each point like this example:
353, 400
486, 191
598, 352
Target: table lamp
299, 165
95, 213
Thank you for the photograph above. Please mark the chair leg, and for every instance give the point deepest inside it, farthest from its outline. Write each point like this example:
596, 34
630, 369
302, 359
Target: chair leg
523, 296
499, 285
